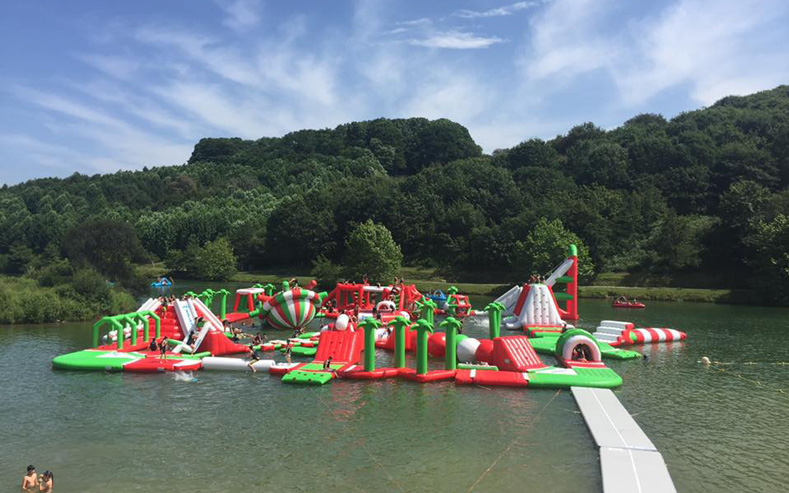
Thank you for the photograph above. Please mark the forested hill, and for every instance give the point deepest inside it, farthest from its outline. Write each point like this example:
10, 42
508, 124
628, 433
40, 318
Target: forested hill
704, 193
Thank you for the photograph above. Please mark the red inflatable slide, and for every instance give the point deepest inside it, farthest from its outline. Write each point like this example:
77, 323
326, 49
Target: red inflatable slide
343, 346
514, 353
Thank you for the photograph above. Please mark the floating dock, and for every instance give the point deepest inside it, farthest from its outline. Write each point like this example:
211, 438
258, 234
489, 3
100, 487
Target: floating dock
629, 461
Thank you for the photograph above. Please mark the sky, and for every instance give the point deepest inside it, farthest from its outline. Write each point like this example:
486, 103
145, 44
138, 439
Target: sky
99, 86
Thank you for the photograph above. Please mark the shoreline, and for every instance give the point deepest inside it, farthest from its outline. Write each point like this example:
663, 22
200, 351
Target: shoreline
671, 294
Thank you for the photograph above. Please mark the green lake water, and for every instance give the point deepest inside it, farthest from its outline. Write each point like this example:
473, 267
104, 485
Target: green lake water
722, 431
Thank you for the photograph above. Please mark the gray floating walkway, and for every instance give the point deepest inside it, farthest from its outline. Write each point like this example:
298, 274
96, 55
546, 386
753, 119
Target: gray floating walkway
629, 461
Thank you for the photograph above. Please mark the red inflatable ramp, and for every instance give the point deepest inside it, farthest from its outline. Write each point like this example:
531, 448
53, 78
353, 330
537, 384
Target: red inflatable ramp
218, 344
514, 353
343, 346
488, 377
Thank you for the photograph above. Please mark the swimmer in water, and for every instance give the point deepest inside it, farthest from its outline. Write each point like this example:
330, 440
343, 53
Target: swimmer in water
29, 481
705, 361
45, 482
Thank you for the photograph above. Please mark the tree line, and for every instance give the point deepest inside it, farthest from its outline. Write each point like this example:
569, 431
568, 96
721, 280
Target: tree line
702, 196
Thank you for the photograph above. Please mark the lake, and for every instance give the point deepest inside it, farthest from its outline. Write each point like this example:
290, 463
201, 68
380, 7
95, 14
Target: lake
717, 430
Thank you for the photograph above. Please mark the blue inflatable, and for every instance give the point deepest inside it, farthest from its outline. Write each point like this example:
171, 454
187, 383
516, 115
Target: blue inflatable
439, 298
162, 283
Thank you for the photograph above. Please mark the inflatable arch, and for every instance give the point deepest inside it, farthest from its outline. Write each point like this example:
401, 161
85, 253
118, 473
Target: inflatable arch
573, 338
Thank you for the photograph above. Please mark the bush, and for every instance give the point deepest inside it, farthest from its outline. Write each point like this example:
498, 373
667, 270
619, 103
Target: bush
57, 272
91, 285
326, 272
24, 301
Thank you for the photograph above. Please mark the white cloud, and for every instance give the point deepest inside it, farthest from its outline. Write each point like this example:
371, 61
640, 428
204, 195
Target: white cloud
448, 94
210, 53
421, 22
140, 106
456, 40
240, 15
216, 109
114, 142
717, 47
707, 43
497, 12
112, 65
566, 40
44, 153
158, 88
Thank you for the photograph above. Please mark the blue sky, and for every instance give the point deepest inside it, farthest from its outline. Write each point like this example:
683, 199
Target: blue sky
97, 86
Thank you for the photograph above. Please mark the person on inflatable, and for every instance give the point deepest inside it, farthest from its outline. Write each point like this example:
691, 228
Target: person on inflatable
163, 348
288, 351
254, 357
580, 353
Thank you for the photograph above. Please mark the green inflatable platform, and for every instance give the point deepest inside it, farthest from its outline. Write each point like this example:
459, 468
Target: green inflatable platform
95, 360
310, 374
547, 345
553, 377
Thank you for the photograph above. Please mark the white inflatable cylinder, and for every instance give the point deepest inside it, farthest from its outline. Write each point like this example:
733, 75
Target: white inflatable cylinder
467, 350
234, 364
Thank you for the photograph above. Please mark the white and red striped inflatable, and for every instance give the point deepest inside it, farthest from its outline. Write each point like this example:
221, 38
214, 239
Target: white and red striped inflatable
651, 334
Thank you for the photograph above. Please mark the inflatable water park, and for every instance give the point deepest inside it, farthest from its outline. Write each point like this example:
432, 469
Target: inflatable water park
531, 343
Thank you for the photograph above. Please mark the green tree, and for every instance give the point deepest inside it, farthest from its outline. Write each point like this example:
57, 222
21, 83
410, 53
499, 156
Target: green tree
216, 262
372, 252
545, 245
213, 262
678, 242
19, 258
771, 260
107, 245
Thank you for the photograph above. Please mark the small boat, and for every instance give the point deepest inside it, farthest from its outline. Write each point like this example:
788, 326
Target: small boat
623, 302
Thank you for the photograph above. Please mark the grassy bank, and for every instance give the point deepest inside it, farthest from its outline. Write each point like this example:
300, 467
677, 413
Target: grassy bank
668, 294
22, 300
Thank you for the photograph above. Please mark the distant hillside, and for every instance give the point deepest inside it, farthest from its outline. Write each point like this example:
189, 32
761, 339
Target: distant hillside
705, 192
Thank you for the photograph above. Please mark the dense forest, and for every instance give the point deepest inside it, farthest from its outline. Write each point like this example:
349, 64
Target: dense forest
701, 199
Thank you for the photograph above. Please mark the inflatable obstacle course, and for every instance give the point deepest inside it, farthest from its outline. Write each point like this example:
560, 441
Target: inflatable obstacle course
363, 319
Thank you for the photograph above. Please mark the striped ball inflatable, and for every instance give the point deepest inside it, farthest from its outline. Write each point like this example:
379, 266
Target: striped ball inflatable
649, 334
292, 309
